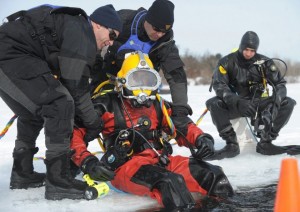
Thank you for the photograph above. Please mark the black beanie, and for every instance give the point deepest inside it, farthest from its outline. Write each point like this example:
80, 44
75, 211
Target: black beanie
108, 17
249, 40
161, 15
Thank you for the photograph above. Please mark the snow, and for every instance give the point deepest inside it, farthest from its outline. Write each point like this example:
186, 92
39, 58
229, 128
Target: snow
248, 169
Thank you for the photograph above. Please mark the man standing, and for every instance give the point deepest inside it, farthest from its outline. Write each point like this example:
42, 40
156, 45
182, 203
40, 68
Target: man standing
240, 82
46, 54
150, 32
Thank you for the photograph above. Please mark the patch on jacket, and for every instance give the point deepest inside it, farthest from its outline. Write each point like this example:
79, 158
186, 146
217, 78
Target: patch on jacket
222, 70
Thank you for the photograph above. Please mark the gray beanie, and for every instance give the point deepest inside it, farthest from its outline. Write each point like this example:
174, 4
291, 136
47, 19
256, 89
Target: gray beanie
107, 16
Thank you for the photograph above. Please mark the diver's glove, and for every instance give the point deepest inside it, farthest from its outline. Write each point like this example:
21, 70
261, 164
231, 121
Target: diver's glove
205, 146
96, 169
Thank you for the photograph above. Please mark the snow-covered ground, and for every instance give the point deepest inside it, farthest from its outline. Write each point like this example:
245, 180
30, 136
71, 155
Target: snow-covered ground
249, 169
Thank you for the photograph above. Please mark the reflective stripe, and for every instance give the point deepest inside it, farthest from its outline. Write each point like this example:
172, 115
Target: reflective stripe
8, 87
71, 68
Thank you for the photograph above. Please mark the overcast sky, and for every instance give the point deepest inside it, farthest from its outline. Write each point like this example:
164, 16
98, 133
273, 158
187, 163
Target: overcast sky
214, 26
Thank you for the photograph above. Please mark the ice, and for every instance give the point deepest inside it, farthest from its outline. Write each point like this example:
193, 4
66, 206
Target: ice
248, 169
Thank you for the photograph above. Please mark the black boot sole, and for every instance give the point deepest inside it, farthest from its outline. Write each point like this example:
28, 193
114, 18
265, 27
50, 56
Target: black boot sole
269, 149
17, 185
53, 192
25, 181
60, 196
229, 151
223, 155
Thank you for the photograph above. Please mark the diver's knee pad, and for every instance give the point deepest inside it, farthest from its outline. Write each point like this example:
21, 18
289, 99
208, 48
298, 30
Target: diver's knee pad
172, 186
211, 178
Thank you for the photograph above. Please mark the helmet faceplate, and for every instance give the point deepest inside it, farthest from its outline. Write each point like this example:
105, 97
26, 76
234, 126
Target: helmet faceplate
141, 80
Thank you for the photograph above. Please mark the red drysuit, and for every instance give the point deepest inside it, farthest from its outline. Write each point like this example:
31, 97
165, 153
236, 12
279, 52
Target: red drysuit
135, 175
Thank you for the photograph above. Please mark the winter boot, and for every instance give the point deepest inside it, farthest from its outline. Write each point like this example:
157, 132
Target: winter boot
265, 147
230, 150
59, 182
22, 175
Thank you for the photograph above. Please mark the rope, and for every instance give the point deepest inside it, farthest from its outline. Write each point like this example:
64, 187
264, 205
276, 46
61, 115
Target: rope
165, 112
8, 125
39, 158
43, 157
101, 144
251, 130
201, 117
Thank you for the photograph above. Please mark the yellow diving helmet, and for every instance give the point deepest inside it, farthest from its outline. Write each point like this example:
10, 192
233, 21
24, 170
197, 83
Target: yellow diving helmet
141, 79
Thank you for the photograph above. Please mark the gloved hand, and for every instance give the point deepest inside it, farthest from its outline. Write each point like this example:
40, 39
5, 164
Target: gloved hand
96, 169
93, 130
246, 108
180, 117
205, 146
181, 110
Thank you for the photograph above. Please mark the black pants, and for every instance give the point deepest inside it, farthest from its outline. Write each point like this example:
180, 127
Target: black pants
221, 114
30, 90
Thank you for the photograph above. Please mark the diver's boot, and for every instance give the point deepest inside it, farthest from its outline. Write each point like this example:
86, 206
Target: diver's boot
230, 150
22, 175
59, 182
265, 147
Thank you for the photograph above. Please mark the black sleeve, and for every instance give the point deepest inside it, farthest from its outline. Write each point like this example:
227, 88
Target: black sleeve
78, 50
103, 103
166, 57
221, 80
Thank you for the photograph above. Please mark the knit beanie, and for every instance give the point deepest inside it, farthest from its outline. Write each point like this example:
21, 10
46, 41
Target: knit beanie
161, 15
249, 40
108, 17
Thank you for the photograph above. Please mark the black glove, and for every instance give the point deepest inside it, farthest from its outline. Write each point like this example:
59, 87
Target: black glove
205, 146
95, 168
180, 117
181, 110
93, 130
246, 108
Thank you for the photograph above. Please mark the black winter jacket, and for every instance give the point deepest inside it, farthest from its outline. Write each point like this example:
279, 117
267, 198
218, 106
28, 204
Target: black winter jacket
236, 76
70, 42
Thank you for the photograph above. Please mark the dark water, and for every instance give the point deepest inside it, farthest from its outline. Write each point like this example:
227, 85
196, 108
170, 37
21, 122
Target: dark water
246, 199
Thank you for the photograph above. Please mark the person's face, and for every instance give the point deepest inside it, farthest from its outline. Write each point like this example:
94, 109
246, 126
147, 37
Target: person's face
248, 53
153, 33
104, 36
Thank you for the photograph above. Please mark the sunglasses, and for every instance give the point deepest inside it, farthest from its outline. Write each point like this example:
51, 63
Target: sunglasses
112, 34
159, 30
